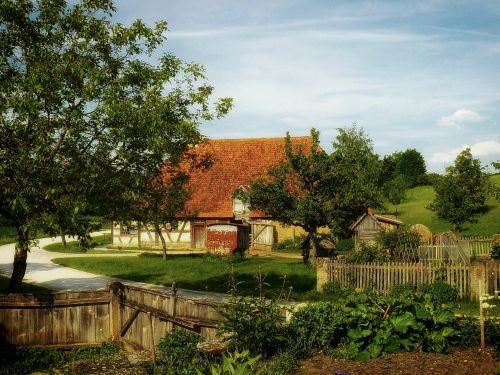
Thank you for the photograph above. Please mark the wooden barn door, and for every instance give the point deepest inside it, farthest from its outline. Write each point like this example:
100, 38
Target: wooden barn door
262, 236
199, 236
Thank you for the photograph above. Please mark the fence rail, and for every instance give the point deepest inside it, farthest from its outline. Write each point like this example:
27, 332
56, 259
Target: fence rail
478, 246
382, 277
135, 317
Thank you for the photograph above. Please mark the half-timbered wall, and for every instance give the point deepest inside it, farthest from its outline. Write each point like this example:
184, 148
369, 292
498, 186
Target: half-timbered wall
135, 235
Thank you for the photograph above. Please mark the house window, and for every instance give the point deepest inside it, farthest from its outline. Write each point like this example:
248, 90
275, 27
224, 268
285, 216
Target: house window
128, 229
239, 206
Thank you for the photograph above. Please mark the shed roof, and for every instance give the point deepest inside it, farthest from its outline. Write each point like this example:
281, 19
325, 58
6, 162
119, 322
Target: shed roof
378, 218
236, 163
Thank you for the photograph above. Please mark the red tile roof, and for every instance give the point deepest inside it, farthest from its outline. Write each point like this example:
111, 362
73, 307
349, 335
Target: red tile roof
236, 162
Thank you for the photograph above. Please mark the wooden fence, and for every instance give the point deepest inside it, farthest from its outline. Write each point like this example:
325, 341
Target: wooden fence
135, 317
382, 277
478, 246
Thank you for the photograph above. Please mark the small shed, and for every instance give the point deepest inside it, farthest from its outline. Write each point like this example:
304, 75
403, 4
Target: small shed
368, 225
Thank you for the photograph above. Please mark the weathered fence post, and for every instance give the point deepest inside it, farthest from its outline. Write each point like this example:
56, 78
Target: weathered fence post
322, 274
477, 275
114, 288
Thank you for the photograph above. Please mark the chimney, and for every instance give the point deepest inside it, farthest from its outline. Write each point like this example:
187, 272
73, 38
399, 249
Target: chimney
370, 211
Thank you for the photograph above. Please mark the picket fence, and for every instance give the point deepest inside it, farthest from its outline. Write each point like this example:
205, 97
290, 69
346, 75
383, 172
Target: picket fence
382, 277
478, 246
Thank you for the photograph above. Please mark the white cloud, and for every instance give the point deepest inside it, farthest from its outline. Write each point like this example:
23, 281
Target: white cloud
460, 118
477, 149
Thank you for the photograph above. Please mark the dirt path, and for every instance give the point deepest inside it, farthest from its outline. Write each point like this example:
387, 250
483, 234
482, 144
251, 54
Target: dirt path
43, 272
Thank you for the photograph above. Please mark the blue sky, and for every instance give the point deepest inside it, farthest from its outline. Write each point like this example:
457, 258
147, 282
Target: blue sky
412, 74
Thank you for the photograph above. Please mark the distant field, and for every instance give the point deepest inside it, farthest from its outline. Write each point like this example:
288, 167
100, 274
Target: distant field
413, 211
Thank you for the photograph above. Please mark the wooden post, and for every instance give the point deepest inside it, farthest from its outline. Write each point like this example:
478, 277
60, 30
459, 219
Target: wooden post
481, 315
114, 288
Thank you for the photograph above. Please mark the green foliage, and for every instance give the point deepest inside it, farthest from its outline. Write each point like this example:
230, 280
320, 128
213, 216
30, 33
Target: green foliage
177, 352
492, 334
461, 193
468, 332
282, 363
395, 190
87, 116
408, 165
441, 292
318, 326
290, 244
255, 324
235, 363
402, 290
345, 245
357, 178
495, 251
368, 253
401, 243
29, 360
312, 189
334, 288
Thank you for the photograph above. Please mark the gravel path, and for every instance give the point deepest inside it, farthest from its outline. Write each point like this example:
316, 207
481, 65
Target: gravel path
43, 272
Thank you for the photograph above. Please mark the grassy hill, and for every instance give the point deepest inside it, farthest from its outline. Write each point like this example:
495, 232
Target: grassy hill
413, 211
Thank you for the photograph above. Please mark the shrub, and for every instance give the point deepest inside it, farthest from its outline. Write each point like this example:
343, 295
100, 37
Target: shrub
290, 244
234, 364
335, 289
368, 253
492, 334
441, 291
178, 351
282, 363
495, 251
402, 243
254, 324
345, 245
468, 332
402, 290
318, 326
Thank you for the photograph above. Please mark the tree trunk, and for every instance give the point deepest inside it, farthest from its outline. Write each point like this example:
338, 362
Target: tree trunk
63, 239
309, 246
20, 256
163, 243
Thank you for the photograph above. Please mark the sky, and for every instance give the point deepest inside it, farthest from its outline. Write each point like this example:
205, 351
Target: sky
412, 74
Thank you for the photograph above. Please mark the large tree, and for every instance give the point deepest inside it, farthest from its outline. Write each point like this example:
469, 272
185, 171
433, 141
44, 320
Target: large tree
85, 114
312, 188
461, 193
409, 164
357, 170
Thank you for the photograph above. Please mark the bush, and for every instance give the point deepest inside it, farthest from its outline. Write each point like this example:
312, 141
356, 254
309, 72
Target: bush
318, 326
345, 245
234, 364
495, 251
254, 324
402, 290
178, 351
468, 332
334, 288
402, 243
492, 334
368, 253
441, 292
282, 363
290, 244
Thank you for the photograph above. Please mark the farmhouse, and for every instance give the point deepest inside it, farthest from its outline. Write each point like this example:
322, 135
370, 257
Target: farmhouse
236, 162
368, 225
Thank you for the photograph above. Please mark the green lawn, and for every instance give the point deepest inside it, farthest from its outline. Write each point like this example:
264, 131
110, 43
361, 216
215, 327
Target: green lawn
205, 273
74, 247
413, 211
25, 288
